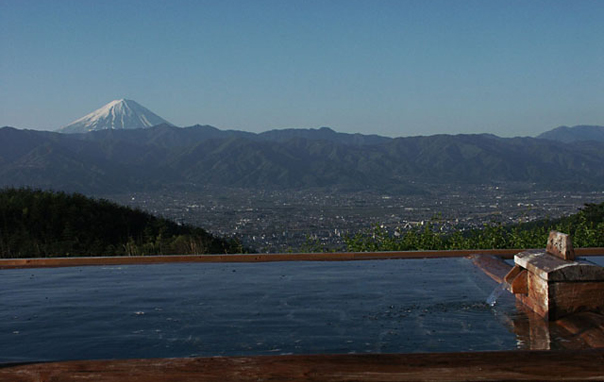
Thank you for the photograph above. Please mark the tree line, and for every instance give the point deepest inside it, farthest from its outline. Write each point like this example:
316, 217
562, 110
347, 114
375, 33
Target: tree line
586, 229
37, 223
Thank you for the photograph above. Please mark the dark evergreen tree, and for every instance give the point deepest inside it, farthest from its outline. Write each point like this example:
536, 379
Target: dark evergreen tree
36, 223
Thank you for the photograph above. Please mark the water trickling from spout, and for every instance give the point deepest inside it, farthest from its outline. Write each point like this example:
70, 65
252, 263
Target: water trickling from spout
492, 299
506, 284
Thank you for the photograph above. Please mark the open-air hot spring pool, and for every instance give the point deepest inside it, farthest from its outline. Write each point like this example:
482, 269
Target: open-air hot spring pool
224, 309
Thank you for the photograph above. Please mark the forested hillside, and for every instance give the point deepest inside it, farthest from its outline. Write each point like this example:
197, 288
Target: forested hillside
167, 157
36, 223
586, 229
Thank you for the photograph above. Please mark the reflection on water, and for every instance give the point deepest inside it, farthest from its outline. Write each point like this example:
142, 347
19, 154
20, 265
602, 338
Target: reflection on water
579, 331
179, 310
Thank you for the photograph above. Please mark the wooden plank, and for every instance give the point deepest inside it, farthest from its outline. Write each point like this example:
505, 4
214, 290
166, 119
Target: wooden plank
334, 256
249, 258
508, 366
493, 266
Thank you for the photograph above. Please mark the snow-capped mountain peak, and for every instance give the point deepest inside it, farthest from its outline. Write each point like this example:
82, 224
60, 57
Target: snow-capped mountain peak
118, 114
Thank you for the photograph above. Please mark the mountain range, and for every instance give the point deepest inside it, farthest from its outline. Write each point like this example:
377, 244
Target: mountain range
574, 134
165, 156
124, 147
125, 114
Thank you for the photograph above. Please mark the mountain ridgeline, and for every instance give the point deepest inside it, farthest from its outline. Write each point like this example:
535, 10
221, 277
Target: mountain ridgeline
165, 156
575, 134
36, 223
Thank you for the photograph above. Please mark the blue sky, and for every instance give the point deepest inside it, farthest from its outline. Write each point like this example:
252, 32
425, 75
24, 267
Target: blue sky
395, 68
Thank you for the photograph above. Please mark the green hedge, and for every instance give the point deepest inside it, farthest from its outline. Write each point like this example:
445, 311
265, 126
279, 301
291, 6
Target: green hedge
586, 229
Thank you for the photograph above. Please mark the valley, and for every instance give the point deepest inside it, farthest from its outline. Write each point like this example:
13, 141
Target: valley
307, 189
309, 220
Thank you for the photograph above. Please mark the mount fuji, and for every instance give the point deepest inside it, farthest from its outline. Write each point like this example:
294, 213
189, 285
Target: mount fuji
118, 114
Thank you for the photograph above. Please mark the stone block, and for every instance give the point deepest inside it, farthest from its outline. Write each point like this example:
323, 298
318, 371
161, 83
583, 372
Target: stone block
560, 245
556, 288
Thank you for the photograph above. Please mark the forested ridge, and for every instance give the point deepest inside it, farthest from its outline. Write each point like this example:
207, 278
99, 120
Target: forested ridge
36, 223
165, 157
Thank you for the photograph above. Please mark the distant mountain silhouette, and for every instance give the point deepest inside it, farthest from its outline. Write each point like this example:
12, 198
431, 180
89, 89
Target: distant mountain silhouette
574, 134
170, 136
165, 156
165, 135
324, 134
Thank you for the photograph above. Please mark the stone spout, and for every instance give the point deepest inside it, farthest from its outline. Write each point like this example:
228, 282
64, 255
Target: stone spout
517, 280
552, 284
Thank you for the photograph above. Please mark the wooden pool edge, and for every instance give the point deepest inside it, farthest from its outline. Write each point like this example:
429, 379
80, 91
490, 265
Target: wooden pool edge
584, 365
516, 365
250, 258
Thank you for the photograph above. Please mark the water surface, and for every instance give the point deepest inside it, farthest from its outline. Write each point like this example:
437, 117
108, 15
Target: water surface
196, 309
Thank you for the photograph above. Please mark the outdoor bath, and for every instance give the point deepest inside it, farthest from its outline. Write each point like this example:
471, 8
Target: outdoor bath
249, 309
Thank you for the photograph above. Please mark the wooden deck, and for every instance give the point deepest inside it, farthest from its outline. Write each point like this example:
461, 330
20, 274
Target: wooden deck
488, 366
